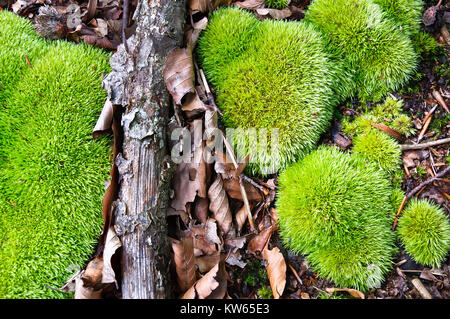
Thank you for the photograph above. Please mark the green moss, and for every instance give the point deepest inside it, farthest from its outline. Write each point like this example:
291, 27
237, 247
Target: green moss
229, 34
52, 173
265, 293
282, 82
381, 57
335, 208
424, 230
276, 4
378, 147
426, 46
256, 275
406, 14
403, 124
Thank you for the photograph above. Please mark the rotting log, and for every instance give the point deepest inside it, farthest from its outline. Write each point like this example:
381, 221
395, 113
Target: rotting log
139, 213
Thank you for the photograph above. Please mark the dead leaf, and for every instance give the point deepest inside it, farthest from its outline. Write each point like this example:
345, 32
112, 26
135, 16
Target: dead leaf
92, 275
259, 242
193, 103
201, 242
206, 263
206, 5
234, 259
276, 270
274, 13
201, 209
211, 232
241, 217
204, 286
355, 293
250, 4
102, 28
184, 262
393, 133
179, 73
219, 205
104, 122
236, 242
111, 245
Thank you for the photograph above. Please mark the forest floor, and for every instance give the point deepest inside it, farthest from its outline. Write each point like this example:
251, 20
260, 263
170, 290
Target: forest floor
245, 266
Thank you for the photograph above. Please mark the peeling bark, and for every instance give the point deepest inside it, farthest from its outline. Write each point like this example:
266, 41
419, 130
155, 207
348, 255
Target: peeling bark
136, 82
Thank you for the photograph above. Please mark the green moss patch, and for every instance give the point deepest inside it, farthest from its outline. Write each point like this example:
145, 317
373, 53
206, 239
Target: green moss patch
52, 173
335, 208
424, 230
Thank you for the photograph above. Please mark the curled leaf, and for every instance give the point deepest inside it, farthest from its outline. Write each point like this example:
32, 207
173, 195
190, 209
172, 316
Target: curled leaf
219, 205
276, 270
179, 73
184, 262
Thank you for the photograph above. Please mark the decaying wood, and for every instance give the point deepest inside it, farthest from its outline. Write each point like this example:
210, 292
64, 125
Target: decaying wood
136, 82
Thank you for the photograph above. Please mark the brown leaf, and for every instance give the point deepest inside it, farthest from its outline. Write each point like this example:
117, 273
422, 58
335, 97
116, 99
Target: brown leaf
99, 42
193, 103
233, 189
111, 245
250, 4
179, 73
259, 242
206, 5
184, 262
92, 275
205, 285
104, 122
393, 133
274, 13
355, 293
221, 278
201, 242
206, 263
276, 270
211, 232
194, 31
241, 217
201, 209
219, 205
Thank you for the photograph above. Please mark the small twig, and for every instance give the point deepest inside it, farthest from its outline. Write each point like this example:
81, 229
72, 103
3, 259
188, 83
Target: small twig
295, 273
405, 147
417, 189
209, 95
28, 61
426, 121
255, 184
421, 289
440, 100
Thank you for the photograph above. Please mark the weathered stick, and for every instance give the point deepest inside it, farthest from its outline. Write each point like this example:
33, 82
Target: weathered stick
405, 147
136, 82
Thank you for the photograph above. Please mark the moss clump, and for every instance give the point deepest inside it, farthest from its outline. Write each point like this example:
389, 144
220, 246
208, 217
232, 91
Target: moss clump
406, 14
424, 230
379, 148
52, 173
379, 55
335, 208
282, 82
276, 4
388, 113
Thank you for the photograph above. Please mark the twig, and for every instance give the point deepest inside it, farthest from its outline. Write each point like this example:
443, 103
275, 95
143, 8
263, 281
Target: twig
417, 189
295, 273
421, 288
209, 95
255, 184
440, 100
405, 147
426, 121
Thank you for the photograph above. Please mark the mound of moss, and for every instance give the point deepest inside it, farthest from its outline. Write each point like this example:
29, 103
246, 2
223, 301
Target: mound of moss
276, 4
52, 173
380, 56
278, 77
424, 230
335, 208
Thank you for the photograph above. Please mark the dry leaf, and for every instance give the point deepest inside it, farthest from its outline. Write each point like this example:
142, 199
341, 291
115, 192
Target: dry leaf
104, 121
206, 263
201, 242
274, 13
235, 242
204, 286
234, 259
355, 293
179, 73
211, 232
111, 245
221, 278
241, 217
250, 4
259, 242
184, 262
206, 5
193, 103
276, 270
201, 209
219, 205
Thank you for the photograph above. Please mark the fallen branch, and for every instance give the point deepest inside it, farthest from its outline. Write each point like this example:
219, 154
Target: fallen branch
405, 147
421, 288
417, 189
